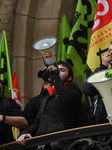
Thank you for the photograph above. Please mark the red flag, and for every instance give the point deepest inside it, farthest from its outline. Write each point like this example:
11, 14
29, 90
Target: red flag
16, 91
16, 96
101, 34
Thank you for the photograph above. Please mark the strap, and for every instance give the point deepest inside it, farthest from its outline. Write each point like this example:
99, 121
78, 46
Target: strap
4, 117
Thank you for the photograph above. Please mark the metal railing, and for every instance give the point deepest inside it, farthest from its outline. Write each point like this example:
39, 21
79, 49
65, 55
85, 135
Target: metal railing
68, 139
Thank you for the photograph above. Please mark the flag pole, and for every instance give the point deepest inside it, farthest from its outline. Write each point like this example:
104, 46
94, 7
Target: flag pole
14, 127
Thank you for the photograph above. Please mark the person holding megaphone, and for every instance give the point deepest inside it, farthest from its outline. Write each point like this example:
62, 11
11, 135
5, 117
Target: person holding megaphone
98, 112
60, 104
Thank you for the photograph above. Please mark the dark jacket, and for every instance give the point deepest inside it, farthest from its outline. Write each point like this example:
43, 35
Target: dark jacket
59, 111
8, 107
32, 107
97, 112
89, 89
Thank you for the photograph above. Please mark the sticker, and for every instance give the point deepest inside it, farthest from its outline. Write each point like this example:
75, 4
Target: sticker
47, 53
108, 74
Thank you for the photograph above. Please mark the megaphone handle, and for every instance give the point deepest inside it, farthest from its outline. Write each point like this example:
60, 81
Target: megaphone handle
50, 69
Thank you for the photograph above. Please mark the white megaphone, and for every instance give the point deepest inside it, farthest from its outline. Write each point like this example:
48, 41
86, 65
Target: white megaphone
102, 80
45, 46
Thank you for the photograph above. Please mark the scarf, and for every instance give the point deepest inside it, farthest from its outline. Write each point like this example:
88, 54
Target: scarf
52, 89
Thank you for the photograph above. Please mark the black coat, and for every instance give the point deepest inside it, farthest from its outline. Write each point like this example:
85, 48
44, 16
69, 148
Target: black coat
8, 107
59, 111
100, 112
32, 107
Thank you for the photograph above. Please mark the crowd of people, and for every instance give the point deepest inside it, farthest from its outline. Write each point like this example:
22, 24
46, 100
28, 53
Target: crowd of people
59, 105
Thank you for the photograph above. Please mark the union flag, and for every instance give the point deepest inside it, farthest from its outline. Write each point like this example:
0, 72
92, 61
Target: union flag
101, 37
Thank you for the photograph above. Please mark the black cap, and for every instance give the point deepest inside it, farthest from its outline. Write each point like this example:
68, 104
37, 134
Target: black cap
41, 72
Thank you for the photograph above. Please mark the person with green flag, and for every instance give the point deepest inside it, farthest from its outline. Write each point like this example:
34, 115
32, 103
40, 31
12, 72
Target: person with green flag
10, 112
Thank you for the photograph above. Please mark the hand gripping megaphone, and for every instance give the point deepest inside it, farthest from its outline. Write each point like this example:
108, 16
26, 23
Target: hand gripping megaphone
102, 80
45, 46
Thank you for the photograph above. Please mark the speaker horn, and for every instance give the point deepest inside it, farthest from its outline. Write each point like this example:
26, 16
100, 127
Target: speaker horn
102, 81
45, 46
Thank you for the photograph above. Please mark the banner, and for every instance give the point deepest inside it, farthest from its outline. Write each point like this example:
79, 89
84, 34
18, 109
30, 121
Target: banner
5, 71
101, 37
80, 36
64, 38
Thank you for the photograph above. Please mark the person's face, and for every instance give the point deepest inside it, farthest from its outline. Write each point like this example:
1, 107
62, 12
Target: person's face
110, 49
45, 85
64, 73
110, 53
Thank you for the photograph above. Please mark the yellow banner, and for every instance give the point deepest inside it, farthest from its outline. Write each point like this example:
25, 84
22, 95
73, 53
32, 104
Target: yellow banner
100, 41
101, 37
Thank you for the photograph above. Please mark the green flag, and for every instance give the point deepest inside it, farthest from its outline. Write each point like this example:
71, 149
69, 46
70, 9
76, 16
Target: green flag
5, 71
64, 38
80, 36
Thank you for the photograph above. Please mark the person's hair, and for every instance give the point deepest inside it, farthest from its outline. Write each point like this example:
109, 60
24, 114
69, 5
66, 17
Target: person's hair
67, 65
